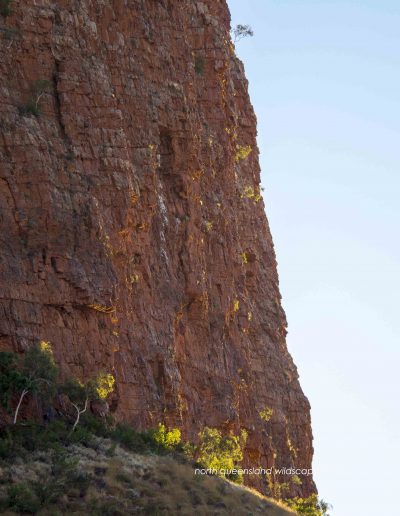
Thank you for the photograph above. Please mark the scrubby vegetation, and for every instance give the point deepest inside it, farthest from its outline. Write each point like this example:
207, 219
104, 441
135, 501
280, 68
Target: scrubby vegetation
5, 7
310, 506
33, 374
106, 468
100, 478
75, 462
32, 107
221, 453
242, 151
266, 413
81, 393
250, 192
199, 65
213, 451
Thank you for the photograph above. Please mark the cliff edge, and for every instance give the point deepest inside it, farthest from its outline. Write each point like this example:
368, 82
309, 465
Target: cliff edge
132, 227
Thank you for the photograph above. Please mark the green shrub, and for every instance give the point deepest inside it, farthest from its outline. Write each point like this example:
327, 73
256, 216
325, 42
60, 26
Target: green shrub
131, 439
10, 35
278, 490
296, 480
11, 379
81, 393
110, 452
61, 463
38, 89
30, 108
159, 440
64, 477
106, 508
21, 498
310, 506
79, 480
33, 373
48, 491
97, 426
18, 440
5, 7
266, 413
199, 65
52, 434
124, 478
220, 453
128, 437
242, 151
6, 447
166, 439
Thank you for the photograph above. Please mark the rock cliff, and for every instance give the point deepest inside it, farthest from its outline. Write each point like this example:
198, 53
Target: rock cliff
133, 232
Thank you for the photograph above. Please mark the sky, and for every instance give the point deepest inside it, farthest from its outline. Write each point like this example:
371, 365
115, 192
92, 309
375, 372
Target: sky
324, 80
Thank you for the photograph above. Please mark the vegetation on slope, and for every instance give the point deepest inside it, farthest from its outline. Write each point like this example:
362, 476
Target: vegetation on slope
97, 476
76, 463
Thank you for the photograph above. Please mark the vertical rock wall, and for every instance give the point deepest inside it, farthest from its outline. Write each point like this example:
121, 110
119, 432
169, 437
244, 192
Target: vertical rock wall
133, 233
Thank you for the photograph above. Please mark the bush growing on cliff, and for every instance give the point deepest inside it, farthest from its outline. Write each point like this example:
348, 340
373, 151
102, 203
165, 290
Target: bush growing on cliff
242, 152
5, 7
199, 65
80, 394
167, 439
157, 440
266, 413
34, 373
310, 506
10, 378
220, 453
10, 35
39, 88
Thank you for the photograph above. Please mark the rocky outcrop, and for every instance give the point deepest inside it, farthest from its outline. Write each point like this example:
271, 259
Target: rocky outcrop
133, 233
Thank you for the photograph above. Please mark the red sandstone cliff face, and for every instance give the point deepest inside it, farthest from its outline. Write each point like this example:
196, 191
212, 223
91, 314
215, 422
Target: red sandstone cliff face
133, 235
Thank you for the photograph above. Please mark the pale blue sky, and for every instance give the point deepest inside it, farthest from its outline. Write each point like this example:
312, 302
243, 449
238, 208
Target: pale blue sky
325, 84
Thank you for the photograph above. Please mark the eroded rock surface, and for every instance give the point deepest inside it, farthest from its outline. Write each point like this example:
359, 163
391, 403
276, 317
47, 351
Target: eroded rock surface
133, 233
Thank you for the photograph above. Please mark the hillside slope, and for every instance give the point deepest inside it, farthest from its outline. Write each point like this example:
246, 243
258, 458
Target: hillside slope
103, 479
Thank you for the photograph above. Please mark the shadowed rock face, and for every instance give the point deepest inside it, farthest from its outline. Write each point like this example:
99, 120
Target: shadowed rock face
133, 233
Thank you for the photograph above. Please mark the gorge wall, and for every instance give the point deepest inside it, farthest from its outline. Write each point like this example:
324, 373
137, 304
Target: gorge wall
133, 233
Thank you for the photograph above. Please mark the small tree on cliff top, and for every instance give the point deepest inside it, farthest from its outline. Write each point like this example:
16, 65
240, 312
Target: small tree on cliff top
242, 31
80, 394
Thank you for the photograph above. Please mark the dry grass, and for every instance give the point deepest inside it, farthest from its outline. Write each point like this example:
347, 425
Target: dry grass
118, 482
